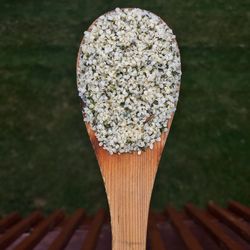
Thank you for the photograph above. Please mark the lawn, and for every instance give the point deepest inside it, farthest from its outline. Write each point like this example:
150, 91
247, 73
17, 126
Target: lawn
45, 155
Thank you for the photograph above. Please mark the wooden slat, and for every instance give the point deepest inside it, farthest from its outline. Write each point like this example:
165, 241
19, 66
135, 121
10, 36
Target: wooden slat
64, 221
19, 228
67, 231
233, 222
186, 235
213, 228
36, 236
154, 235
8, 221
90, 241
239, 209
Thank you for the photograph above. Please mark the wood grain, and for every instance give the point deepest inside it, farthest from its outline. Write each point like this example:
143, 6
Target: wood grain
129, 180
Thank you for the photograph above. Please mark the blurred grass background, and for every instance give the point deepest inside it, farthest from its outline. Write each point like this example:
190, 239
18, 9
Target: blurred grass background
45, 155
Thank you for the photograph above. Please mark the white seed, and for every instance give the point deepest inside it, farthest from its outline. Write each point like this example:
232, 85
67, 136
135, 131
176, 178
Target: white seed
128, 91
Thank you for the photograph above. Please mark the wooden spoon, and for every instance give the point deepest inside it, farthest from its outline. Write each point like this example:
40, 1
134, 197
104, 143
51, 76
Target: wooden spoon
128, 180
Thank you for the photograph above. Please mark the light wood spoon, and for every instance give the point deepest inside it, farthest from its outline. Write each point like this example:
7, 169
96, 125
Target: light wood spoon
128, 180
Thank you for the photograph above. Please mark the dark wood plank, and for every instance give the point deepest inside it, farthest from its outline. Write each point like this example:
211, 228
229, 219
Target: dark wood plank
40, 231
232, 221
9, 221
64, 221
185, 234
212, 228
154, 235
12, 234
90, 241
239, 209
67, 231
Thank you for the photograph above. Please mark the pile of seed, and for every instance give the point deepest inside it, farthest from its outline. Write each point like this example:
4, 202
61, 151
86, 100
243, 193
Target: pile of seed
128, 77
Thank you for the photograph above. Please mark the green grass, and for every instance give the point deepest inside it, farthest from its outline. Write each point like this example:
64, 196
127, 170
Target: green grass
46, 159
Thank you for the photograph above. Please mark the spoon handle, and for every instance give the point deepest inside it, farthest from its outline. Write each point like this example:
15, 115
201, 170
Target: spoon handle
129, 189
129, 180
